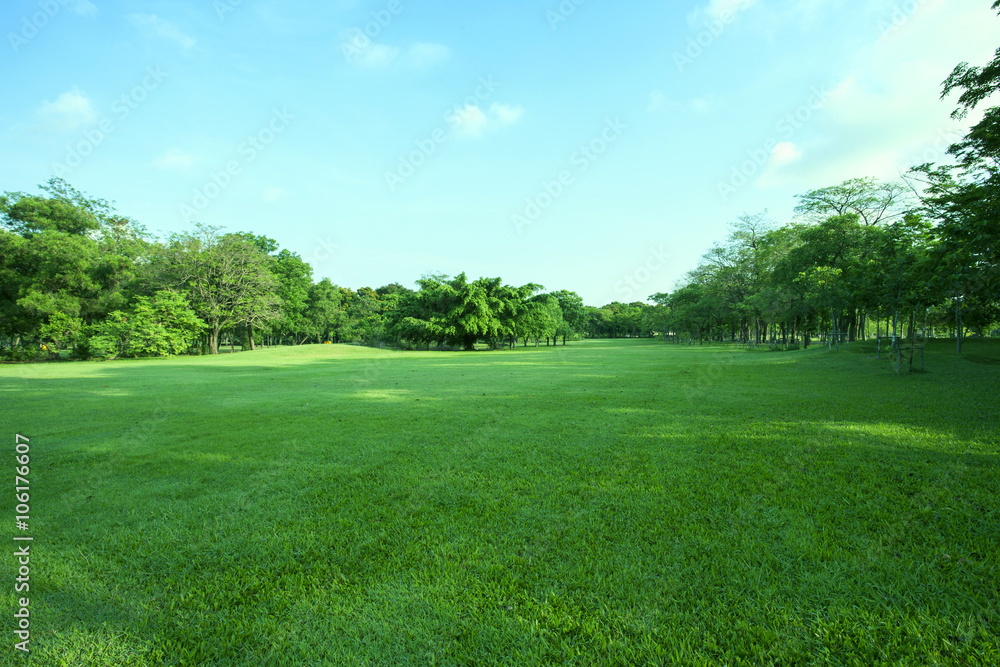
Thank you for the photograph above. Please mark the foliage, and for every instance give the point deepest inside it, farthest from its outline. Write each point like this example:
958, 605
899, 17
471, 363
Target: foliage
155, 327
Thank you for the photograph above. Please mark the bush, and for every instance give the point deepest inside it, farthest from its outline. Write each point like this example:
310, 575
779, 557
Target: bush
155, 327
24, 353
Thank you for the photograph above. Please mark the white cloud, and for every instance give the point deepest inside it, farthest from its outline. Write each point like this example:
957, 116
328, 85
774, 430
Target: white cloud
84, 7
272, 194
151, 24
784, 153
366, 54
69, 111
774, 173
885, 116
424, 55
720, 11
471, 122
175, 159
506, 114
374, 56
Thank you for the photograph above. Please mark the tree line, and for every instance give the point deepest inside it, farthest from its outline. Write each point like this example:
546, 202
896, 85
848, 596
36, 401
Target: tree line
77, 275
866, 257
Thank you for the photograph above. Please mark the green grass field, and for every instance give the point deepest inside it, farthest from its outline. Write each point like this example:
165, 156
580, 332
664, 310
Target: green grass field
607, 503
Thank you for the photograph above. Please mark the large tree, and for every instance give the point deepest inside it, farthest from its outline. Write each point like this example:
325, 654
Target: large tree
964, 198
228, 279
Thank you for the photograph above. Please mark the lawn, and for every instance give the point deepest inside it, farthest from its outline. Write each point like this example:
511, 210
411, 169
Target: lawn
606, 503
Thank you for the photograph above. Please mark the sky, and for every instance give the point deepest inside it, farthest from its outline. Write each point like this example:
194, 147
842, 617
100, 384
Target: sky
579, 144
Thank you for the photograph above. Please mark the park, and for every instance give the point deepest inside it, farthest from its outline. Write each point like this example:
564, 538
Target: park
609, 502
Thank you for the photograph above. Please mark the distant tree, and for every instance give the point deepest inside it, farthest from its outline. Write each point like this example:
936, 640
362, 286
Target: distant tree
573, 312
871, 200
294, 277
324, 310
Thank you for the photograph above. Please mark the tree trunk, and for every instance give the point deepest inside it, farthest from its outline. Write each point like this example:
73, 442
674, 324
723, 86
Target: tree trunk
958, 323
213, 339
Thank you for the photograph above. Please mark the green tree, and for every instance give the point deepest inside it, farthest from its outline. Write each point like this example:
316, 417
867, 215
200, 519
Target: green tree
871, 200
324, 310
294, 278
229, 280
156, 326
964, 199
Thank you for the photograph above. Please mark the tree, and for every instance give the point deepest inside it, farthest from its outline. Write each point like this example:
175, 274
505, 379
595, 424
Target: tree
324, 310
543, 319
873, 201
156, 326
573, 311
457, 312
965, 198
294, 277
228, 279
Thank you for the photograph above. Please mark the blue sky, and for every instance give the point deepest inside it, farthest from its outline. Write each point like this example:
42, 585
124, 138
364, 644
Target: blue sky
585, 145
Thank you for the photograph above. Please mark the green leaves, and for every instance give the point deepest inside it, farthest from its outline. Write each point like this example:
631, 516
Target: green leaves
155, 327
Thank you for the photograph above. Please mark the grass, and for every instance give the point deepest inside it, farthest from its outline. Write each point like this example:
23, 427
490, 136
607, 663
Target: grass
608, 503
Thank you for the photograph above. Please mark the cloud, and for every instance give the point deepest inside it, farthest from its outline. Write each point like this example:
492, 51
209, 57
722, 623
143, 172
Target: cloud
784, 153
364, 53
472, 122
370, 56
84, 7
272, 194
469, 121
424, 55
70, 110
175, 159
720, 11
151, 24
885, 115
506, 114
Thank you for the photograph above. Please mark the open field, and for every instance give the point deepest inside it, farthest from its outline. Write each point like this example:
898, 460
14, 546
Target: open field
608, 503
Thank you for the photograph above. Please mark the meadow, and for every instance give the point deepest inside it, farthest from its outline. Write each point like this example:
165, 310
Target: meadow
605, 503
